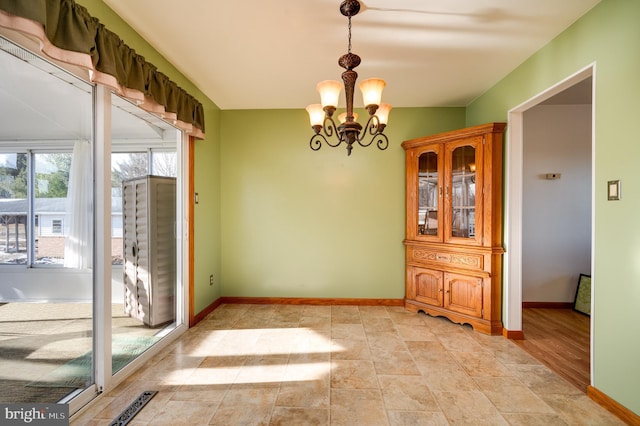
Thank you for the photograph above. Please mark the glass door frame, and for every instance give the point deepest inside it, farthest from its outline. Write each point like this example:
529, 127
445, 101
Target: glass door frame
413, 184
476, 144
104, 380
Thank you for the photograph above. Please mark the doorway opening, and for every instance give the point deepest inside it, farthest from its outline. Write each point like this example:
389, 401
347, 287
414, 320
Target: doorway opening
549, 218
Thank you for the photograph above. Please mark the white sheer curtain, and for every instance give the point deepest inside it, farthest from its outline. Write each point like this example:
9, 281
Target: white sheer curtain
78, 230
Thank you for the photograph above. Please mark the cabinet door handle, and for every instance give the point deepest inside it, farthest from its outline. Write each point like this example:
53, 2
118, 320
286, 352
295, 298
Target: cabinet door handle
441, 191
446, 194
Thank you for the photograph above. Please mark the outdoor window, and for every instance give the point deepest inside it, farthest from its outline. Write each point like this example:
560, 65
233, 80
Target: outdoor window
34, 201
13, 208
56, 226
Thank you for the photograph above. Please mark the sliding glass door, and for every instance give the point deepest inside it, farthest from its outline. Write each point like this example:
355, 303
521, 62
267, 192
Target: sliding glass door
46, 229
85, 296
144, 232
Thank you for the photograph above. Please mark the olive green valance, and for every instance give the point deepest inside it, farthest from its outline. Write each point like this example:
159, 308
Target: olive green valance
68, 33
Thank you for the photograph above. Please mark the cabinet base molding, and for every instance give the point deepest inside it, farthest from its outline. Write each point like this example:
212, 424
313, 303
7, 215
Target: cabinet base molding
478, 324
620, 411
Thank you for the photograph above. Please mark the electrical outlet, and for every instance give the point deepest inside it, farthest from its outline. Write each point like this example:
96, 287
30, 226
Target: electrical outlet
211, 279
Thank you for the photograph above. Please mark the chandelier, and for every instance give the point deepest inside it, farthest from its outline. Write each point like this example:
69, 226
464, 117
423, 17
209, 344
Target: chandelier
349, 130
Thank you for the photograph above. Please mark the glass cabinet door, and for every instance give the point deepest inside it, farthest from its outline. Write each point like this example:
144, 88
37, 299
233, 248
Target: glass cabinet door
429, 192
461, 191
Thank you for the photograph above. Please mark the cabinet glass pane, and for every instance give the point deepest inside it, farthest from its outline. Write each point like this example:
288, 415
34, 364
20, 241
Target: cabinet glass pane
428, 194
463, 192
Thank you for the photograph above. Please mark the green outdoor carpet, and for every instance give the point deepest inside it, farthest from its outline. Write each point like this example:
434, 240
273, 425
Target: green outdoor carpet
77, 372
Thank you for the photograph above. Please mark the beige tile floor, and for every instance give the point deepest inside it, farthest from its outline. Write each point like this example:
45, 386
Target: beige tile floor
344, 365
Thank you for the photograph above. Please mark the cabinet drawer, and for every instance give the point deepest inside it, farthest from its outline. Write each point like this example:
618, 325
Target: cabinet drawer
460, 260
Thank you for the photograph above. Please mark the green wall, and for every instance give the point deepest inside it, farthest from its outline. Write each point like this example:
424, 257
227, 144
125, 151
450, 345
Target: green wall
609, 36
207, 224
207, 161
303, 223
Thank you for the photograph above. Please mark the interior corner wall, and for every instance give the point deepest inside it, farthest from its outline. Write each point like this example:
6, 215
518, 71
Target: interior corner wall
556, 234
207, 255
608, 37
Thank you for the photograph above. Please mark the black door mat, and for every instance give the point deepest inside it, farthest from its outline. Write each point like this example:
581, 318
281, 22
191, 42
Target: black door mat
130, 412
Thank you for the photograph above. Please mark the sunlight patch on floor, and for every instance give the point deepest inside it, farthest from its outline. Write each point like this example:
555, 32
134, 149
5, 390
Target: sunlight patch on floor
249, 356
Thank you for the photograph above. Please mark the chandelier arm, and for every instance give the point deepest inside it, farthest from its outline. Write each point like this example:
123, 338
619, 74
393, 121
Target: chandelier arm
375, 129
329, 128
373, 125
369, 128
316, 141
325, 133
383, 141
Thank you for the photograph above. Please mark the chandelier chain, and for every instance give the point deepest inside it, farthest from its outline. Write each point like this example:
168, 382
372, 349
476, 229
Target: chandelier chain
349, 49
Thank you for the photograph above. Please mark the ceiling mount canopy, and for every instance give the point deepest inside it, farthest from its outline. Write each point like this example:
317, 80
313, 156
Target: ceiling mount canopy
349, 130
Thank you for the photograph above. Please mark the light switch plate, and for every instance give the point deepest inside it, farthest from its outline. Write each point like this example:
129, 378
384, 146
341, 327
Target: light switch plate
613, 190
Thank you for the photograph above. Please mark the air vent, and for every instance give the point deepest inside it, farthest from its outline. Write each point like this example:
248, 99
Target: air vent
130, 412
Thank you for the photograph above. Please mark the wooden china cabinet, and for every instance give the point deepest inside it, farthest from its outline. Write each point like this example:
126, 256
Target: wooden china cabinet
454, 226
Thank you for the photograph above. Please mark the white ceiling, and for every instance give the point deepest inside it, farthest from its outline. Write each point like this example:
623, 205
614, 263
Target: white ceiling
257, 54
